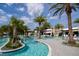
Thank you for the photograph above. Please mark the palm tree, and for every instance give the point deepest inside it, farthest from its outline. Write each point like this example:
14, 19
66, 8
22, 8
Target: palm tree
40, 20
46, 25
59, 26
16, 24
4, 28
60, 8
25, 29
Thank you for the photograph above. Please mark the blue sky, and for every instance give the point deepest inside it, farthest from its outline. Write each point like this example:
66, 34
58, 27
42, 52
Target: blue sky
27, 13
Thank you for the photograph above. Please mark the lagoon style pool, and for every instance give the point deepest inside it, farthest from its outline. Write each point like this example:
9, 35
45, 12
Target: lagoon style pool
3, 41
32, 48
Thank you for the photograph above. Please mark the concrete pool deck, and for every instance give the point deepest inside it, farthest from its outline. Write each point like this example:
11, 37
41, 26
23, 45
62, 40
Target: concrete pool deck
59, 49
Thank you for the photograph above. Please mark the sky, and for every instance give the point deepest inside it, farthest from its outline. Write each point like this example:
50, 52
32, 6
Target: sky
27, 12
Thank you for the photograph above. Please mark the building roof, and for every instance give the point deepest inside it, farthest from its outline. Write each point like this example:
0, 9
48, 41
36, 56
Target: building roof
74, 28
48, 31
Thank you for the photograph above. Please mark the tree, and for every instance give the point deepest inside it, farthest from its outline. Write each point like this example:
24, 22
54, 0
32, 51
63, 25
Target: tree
76, 21
13, 24
25, 29
17, 25
60, 8
4, 28
45, 25
59, 26
40, 20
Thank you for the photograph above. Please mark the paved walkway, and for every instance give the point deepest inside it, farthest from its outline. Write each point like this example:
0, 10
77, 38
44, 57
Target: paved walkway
59, 49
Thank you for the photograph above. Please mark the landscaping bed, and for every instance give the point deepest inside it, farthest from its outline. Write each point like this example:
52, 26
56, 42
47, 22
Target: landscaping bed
73, 45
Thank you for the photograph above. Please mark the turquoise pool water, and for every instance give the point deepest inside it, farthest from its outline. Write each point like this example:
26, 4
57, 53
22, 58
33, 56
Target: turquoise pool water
3, 41
32, 48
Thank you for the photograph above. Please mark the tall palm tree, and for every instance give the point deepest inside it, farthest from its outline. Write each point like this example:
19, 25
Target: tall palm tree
13, 24
40, 20
60, 8
16, 24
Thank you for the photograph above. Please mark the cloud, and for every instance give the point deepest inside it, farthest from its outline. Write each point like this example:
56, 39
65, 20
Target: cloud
2, 14
9, 15
29, 22
3, 19
26, 19
35, 9
53, 17
9, 4
49, 16
21, 9
2, 11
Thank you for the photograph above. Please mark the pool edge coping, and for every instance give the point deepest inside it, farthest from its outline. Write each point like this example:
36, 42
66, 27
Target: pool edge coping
39, 40
50, 50
1, 51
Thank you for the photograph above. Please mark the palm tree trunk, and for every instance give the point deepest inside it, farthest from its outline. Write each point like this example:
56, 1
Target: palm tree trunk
71, 40
39, 31
14, 33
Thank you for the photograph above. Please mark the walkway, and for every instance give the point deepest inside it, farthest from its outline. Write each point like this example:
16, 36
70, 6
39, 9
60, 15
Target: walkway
59, 49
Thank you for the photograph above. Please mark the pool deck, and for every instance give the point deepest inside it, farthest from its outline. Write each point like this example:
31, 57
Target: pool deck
59, 49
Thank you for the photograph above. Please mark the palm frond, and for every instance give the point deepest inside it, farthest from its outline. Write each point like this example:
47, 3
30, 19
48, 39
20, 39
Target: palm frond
54, 6
57, 11
73, 8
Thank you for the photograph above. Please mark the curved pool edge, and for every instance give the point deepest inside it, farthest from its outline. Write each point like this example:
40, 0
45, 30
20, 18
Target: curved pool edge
50, 50
23, 45
4, 44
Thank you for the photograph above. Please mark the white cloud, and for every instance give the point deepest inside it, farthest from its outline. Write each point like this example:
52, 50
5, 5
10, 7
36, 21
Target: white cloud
2, 11
9, 15
9, 4
2, 14
26, 19
3, 18
49, 16
21, 9
53, 17
29, 22
35, 9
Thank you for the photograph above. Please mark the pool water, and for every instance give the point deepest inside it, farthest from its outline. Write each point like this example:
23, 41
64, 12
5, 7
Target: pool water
3, 41
32, 48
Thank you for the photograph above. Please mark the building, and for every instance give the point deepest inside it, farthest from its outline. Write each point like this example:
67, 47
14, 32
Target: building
75, 31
